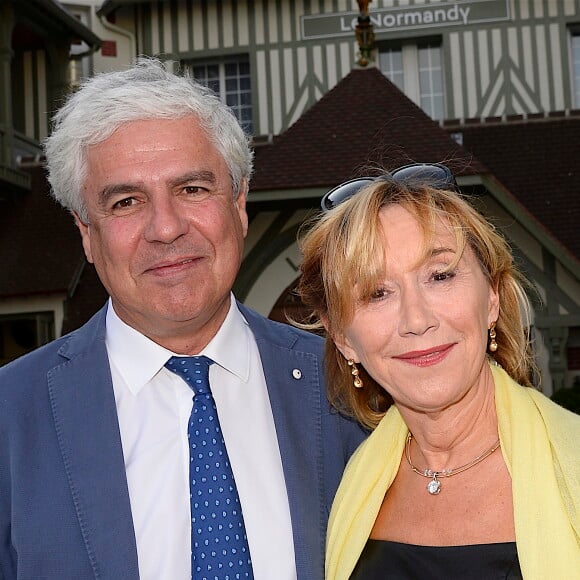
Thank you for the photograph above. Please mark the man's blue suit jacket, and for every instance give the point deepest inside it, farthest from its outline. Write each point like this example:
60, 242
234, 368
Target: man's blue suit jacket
64, 502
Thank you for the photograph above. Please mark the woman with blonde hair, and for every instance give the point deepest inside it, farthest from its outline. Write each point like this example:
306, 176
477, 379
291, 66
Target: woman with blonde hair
469, 471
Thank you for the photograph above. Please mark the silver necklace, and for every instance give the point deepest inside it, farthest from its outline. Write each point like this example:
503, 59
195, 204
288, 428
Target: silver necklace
434, 486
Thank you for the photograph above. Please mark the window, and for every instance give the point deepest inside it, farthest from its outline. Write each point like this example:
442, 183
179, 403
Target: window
231, 81
391, 63
416, 69
21, 333
576, 67
431, 81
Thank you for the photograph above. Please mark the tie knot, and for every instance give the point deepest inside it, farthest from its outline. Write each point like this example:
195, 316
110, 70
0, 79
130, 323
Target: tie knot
194, 370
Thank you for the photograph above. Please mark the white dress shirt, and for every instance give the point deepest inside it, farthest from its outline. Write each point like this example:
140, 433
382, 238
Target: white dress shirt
153, 406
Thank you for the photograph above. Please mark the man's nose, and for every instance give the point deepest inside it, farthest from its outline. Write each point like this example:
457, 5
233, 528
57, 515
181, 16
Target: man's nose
166, 221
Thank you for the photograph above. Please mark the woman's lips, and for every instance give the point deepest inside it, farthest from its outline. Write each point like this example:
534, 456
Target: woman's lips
428, 357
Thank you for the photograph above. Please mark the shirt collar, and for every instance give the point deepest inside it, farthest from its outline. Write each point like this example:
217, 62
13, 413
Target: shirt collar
138, 359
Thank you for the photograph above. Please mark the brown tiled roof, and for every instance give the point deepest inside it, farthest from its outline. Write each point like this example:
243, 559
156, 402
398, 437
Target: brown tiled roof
40, 251
364, 120
538, 161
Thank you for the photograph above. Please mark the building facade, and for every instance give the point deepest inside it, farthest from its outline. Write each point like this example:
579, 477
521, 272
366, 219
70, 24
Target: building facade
36, 41
456, 59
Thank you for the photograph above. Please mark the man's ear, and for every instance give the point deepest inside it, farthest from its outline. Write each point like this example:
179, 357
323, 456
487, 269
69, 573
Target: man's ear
85, 230
241, 206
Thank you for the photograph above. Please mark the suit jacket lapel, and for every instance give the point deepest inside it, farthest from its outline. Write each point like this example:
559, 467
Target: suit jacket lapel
85, 417
293, 382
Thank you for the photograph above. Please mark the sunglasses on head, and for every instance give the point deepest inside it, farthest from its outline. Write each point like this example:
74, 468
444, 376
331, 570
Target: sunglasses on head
431, 174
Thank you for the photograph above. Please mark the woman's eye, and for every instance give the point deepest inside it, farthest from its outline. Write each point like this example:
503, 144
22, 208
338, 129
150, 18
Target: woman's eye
442, 276
378, 294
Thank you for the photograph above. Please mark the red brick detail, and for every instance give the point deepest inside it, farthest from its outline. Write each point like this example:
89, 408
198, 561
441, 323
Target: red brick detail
109, 48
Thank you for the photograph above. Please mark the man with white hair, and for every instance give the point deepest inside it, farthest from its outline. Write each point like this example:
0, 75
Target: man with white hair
177, 434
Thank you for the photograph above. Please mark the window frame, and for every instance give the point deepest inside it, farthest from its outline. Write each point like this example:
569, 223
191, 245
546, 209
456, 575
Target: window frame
411, 77
574, 33
43, 331
223, 91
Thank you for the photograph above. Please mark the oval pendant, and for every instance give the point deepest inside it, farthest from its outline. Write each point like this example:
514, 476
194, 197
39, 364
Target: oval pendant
434, 487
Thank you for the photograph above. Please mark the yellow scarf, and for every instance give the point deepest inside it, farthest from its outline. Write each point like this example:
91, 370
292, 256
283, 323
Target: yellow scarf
540, 445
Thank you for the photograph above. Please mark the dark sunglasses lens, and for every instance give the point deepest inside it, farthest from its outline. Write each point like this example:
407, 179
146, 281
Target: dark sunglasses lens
343, 192
437, 176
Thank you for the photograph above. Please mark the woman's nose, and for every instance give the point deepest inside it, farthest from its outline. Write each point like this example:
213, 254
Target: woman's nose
415, 313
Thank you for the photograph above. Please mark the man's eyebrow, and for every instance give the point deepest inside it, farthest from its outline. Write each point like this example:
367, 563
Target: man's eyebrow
206, 176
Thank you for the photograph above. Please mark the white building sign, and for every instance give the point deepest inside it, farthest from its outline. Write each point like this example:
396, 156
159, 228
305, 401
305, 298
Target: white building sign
386, 20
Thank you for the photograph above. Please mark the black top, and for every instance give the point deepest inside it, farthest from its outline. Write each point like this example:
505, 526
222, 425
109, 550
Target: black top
382, 560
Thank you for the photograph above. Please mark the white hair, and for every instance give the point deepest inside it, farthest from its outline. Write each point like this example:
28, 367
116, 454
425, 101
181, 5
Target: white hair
144, 91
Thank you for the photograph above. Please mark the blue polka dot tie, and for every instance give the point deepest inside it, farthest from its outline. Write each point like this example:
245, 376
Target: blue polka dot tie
219, 546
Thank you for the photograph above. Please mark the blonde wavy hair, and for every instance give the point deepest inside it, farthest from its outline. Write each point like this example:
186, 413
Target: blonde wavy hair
336, 249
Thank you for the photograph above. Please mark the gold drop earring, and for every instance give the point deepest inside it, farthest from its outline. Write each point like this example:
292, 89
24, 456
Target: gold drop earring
357, 381
492, 334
